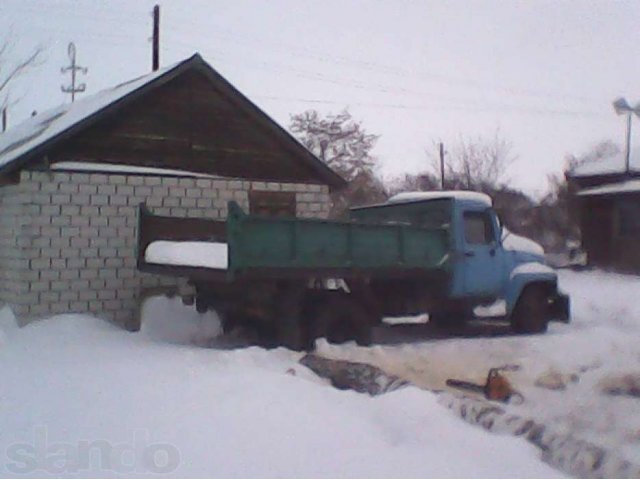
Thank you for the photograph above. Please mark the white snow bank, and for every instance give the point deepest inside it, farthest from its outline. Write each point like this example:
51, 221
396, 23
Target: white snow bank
457, 194
245, 413
8, 324
188, 254
496, 309
125, 169
168, 320
513, 242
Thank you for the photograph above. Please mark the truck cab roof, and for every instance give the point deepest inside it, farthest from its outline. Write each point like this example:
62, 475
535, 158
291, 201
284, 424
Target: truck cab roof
476, 198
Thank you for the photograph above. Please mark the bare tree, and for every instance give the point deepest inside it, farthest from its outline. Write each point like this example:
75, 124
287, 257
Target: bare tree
338, 140
603, 149
345, 146
11, 70
476, 163
419, 182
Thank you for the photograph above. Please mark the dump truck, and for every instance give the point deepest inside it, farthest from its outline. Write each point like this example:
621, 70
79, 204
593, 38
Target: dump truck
294, 280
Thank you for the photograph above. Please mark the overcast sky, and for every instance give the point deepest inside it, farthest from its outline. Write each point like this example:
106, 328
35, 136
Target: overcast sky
542, 72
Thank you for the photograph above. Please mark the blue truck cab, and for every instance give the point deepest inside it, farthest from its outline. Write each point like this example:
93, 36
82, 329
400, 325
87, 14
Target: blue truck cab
487, 262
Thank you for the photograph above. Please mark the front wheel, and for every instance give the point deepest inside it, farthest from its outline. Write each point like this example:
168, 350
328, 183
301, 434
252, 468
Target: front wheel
530, 312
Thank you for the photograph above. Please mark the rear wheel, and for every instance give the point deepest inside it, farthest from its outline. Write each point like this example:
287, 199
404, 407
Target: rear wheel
202, 305
530, 312
341, 319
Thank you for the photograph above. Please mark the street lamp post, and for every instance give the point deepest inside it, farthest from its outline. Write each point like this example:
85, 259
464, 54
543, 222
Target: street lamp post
622, 107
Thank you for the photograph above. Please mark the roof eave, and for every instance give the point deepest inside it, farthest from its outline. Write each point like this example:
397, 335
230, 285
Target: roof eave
328, 175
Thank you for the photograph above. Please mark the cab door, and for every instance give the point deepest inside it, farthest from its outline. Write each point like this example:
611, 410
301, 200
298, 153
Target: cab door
482, 256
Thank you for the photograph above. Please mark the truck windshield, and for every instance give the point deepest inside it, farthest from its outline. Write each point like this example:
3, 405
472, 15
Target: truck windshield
431, 214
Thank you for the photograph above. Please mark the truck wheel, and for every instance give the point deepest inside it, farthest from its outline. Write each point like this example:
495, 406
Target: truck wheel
289, 333
530, 312
342, 319
201, 303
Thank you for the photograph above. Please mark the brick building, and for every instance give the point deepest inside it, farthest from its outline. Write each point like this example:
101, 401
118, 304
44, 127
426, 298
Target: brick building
181, 139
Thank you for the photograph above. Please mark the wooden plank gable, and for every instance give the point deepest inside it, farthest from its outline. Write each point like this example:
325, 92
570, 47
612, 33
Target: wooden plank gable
187, 124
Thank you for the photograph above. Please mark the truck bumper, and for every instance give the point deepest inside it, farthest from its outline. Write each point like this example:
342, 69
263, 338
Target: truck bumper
559, 307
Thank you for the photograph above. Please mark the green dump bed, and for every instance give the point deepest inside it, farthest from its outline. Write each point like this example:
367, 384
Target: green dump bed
367, 245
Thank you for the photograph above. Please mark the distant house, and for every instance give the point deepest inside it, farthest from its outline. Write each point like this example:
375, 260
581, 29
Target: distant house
609, 204
181, 139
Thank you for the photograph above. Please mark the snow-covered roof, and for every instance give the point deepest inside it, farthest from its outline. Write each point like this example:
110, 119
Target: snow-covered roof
627, 186
48, 125
607, 166
36, 135
405, 197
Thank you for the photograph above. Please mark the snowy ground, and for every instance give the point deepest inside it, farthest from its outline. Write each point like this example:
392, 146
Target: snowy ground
81, 397
601, 344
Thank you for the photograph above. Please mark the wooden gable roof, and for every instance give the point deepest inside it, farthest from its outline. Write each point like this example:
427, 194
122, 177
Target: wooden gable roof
186, 116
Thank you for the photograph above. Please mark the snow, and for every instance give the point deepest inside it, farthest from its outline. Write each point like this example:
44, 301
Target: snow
513, 242
171, 322
124, 169
75, 381
627, 186
254, 412
609, 165
496, 309
47, 125
457, 194
599, 344
188, 254
532, 268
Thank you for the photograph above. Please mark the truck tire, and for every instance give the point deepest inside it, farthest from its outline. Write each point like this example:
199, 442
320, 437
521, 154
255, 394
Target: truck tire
342, 319
530, 312
202, 305
290, 334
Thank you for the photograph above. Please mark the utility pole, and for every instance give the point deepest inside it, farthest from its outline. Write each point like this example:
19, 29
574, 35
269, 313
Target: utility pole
4, 119
627, 154
622, 107
73, 68
155, 61
441, 166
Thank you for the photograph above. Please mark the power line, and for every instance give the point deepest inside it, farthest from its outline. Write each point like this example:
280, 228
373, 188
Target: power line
373, 66
368, 86
465, 108
446, 102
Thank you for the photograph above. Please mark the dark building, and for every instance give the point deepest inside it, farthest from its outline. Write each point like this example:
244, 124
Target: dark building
608, 199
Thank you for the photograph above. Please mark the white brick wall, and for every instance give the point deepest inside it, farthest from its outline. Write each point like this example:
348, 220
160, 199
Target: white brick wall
67, 240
